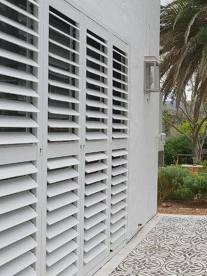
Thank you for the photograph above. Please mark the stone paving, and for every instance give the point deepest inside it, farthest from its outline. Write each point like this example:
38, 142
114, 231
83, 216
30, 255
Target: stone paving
167, 246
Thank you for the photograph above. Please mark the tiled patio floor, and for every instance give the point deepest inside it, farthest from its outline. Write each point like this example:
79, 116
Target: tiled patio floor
167, 245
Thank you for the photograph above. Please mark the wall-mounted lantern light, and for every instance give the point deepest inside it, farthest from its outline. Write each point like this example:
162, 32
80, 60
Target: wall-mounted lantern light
151, 74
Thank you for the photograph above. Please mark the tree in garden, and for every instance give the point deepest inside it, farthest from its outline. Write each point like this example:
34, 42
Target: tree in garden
185, 123
184, 60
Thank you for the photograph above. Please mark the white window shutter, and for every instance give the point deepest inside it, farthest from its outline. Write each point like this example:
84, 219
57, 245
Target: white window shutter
19, 67
120, 134
63, 135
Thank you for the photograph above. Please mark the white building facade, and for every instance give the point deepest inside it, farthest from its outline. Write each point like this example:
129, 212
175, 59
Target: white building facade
78, 134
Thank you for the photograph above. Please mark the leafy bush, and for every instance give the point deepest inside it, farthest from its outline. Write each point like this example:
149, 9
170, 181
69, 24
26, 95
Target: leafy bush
176, 145
178, 183
193, 187
169, 179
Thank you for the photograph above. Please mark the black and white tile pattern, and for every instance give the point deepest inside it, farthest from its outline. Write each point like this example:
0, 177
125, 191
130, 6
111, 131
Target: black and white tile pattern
176, 246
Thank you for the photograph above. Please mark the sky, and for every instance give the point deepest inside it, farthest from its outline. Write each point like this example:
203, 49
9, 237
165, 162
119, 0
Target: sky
164, 2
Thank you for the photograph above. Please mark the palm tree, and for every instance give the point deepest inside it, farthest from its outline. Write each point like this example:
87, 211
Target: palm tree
184, 55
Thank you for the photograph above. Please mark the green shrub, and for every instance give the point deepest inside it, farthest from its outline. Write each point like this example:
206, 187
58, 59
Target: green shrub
169, 179
193, 187
176, 145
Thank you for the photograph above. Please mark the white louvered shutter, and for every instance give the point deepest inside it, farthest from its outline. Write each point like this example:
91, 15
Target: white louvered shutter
63, 150
96, 87
19, 40
120, 134
96, 146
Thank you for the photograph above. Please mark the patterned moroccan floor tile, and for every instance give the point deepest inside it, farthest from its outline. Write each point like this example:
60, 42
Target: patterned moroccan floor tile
176, 246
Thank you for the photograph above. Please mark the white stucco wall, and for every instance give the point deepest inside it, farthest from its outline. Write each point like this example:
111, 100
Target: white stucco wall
137, 21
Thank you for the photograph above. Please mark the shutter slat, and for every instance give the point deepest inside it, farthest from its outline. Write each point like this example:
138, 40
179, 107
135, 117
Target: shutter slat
61, 174
62, 124
60, 253
62, 111
63, 72
96, 83
93, 231
121, 54
60, 227
14, 170
118, 170
17, 90
118, 179
18, 42
61, 213
61, 265
117, 216
71, 270
116, 226
120, 90
60, 240
97, 40
62, 162
17, 106
119, 117
120, 72
18, 58
14, 218
89, 245
116, 153
16, 201
64, 60
96, 93
15, 73
94, 252
120, 81
18, 25
94, 209
63, 20
91, 189
119, 161
11, 138
90, 157
96, 61
118, 234
98, 73
96, 136
19, 10
121, 63
95, 177
120, 108
119, 99
96, 104
118, 188
63, 85
64, 34
89, 168
17, 233
117, 207
17, 122
18, 264
16, 185
96, 125
119, 126
63, 46
90, 222
27, 271
95, 198
117, 198
58, 137
119, 135
61, 200
16, 249
61, 188
62, 98
96, 51
96, 114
